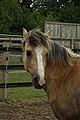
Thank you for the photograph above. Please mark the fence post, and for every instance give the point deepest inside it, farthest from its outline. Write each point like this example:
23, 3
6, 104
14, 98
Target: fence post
72, 43
5, 59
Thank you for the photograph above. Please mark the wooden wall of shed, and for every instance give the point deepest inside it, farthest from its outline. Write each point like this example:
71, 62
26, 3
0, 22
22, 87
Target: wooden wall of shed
62, 33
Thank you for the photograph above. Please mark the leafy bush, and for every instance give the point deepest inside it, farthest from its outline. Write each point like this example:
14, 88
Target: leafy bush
15, 16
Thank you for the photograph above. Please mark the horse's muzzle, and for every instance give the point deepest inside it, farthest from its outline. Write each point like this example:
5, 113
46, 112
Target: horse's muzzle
38, 82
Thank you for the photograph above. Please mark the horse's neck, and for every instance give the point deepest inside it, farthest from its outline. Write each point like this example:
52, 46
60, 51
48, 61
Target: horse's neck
57, 72
55, 76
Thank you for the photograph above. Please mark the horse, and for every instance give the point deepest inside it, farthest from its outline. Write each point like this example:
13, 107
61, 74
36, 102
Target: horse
56, 69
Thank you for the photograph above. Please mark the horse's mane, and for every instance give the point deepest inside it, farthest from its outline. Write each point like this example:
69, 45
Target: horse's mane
60, 54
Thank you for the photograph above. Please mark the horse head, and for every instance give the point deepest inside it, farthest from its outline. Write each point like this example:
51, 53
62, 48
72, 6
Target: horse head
36, 50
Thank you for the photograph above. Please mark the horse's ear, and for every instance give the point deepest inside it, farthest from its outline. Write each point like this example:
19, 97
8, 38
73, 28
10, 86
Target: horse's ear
47, 34
25, 33
25, 36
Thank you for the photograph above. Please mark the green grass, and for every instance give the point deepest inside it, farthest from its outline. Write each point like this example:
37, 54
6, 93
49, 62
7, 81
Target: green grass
22, 92
25, 93
19, 77
14, 63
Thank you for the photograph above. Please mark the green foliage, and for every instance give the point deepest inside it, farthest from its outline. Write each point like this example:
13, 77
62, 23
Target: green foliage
11, 16
70, 13
76, 2
32, 14
27, 3
14, 18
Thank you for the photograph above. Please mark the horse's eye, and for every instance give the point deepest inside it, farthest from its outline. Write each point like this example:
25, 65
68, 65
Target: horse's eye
46, 54
29, 53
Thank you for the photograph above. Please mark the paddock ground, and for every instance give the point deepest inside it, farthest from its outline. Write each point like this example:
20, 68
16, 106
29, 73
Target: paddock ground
26, 110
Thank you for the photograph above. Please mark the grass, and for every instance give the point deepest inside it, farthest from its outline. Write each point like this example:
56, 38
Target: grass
14, 63
22, 92
25, 93
19, 77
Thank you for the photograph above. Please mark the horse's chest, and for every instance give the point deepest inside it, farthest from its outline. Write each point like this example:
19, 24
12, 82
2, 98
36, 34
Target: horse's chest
65, 105
65, 110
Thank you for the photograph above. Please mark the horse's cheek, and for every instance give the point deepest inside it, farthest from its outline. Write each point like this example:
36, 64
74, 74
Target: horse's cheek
25, 63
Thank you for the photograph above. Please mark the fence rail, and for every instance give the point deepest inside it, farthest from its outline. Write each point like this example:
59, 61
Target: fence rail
13, 85
8, 44
11, 67
10, 36
10, 49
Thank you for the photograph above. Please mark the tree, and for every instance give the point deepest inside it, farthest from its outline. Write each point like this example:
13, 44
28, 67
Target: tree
13, 18
76, 2
27, 4
70, 13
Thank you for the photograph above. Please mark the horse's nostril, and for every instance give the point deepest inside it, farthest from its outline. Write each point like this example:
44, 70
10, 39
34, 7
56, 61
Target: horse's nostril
45, 78
36, 79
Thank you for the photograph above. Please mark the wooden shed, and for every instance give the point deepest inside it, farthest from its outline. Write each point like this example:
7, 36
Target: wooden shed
67, 34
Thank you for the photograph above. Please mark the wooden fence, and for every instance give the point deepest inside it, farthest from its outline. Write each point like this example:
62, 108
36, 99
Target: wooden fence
12, 43
9, 44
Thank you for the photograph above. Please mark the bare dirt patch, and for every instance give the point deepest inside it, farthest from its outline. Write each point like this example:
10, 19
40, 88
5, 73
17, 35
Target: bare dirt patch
26, 110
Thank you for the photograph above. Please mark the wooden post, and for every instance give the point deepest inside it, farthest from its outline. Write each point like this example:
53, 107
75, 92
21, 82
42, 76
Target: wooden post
5, 59
72, 44
22, 56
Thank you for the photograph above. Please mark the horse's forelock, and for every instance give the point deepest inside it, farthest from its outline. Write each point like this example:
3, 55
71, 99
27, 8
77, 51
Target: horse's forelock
36, 37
